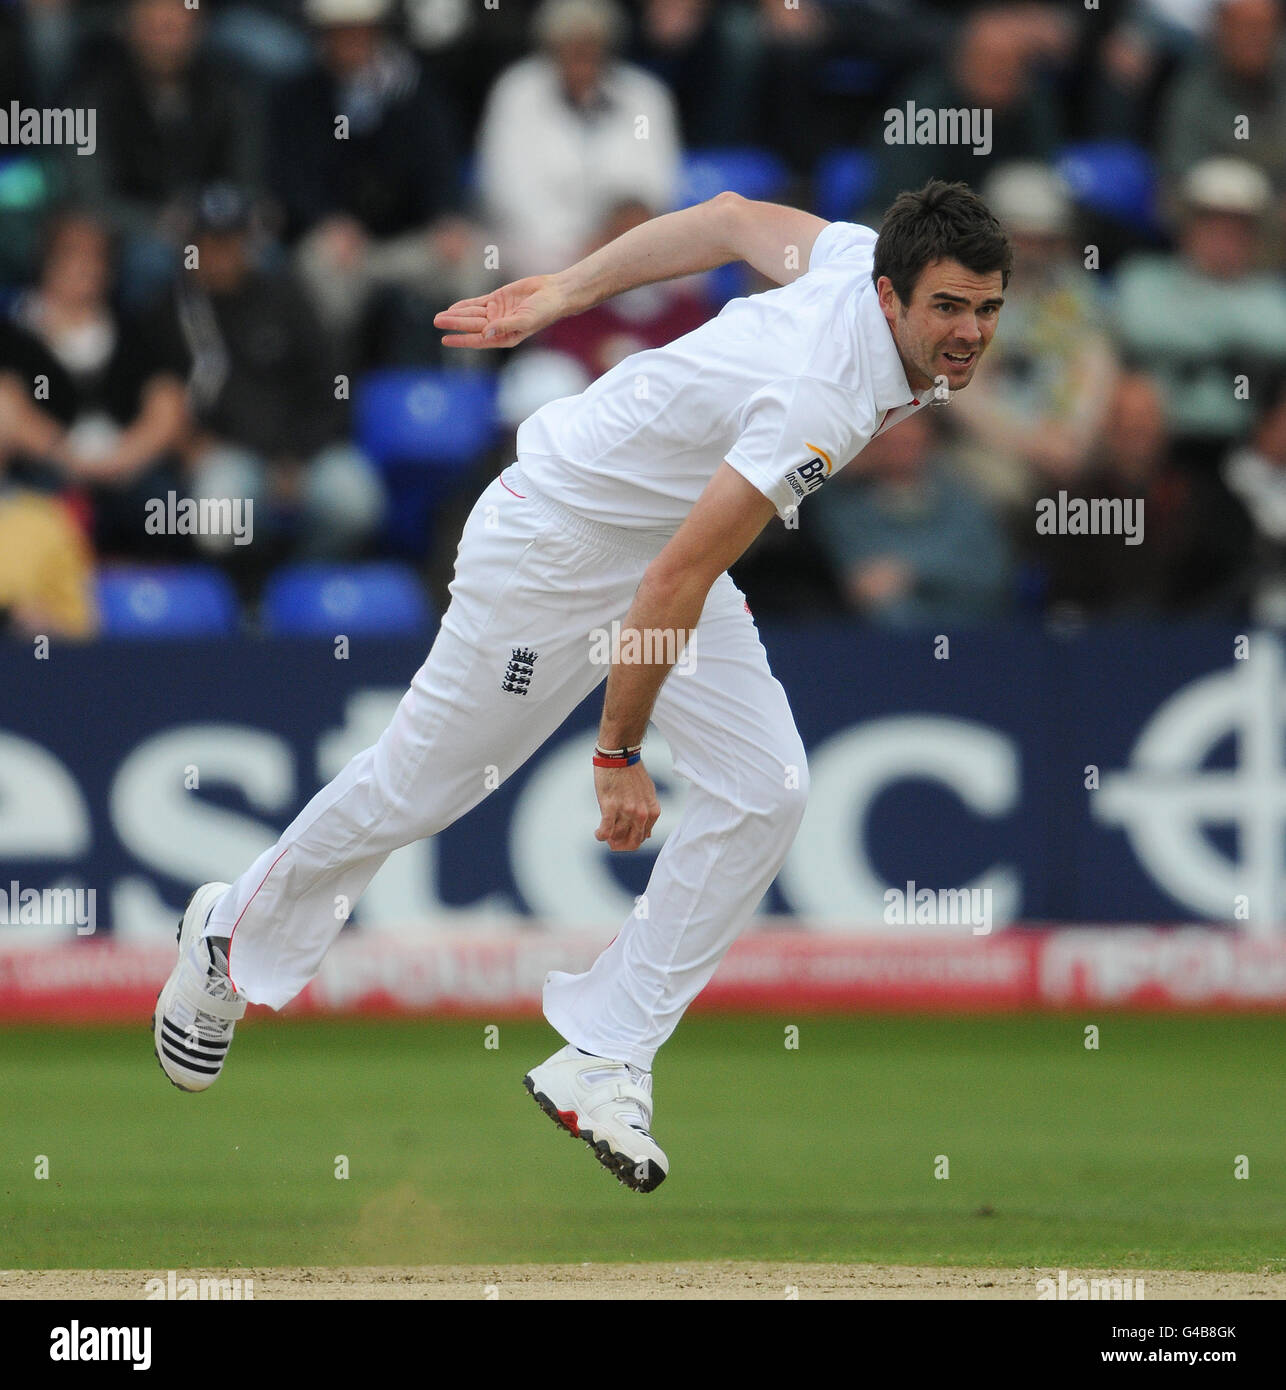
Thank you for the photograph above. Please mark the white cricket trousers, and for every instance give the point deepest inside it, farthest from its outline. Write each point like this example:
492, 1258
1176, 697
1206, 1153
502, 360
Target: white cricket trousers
533, 577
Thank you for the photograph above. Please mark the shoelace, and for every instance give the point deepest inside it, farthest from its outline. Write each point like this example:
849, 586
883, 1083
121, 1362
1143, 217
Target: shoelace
219, 986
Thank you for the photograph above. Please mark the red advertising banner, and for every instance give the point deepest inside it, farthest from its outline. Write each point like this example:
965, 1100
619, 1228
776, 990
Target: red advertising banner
501, 972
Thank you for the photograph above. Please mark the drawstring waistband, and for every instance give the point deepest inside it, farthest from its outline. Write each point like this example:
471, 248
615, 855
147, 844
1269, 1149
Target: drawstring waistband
616, 540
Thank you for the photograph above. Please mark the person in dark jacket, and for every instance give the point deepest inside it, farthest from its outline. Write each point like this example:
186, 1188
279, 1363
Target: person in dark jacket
364, 156
170, 119
269, 422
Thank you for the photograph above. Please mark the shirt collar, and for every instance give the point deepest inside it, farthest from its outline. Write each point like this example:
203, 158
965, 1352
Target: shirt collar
888, 376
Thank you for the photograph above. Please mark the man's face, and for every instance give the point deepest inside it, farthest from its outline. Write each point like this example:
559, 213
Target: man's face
163, 36
348, 48
1246, 35
991, 62
78, 267
1220, 244
580, 61
946, 327
222, 260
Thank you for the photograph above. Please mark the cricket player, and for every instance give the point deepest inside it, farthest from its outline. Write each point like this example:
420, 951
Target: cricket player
627, 503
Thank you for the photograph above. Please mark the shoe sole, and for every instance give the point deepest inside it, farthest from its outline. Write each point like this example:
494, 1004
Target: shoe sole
623, 1168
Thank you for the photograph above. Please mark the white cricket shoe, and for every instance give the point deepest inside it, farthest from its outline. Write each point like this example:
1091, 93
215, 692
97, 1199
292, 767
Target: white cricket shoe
197, 1008
608, 1105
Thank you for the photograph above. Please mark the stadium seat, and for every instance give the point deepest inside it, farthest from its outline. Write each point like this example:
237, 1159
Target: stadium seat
422, 429
321, 600
436, 418
177, 601
851, 77
842, 182
751, 172
1115, 179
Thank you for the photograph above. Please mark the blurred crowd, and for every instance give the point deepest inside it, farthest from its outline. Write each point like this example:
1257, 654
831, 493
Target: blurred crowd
282, 193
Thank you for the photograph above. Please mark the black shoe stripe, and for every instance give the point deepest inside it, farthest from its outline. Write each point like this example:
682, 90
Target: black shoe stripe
194, 1039
200, 1048
188, 1064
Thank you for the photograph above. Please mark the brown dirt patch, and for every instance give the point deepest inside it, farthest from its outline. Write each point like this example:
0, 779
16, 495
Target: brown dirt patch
695, 1280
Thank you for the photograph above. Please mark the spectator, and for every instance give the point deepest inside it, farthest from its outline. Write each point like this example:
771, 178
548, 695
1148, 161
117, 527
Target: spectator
119, 388
169, 120
1255, 473
1180, 26
793, 40
29, 173
994, 70
1203, 320
1240, 77
50, 32
16, 81
45, 565
1192, 535
1036, 407
1121, 64
706, 54
911, 542
365, 160
466, 47
568, 133
267, 424
648, 317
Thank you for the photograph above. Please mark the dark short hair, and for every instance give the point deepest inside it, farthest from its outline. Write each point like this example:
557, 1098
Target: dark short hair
943, 221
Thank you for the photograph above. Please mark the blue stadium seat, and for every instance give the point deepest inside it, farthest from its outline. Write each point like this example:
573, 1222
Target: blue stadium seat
422, 429
177, 601
436, 418
751, 172
1115, 179
322, 600
842, 182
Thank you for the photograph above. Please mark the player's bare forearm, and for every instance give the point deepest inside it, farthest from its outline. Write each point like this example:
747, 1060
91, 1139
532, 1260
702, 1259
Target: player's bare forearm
728, 515
774, 239
675, 244
653, 634
659, 624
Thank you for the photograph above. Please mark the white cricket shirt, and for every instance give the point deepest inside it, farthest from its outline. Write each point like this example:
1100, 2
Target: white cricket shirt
787, 386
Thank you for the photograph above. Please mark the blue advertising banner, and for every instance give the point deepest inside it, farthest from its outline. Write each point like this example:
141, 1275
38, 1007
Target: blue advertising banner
1123, 774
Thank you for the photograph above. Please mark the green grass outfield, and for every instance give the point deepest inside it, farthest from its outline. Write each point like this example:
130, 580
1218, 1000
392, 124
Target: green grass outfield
1059, 1156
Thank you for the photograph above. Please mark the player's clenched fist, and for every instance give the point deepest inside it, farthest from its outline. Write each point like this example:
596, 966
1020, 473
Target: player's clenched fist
628, 802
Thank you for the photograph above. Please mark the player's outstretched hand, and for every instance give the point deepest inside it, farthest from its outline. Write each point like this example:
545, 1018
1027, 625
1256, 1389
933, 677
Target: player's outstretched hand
628, 802
504, 317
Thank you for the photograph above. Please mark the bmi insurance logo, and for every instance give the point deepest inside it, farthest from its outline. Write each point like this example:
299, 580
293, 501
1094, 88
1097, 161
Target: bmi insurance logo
1170, 794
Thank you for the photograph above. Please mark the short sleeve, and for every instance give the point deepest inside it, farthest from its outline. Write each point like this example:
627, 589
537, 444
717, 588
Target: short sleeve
795, 434
842, 241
